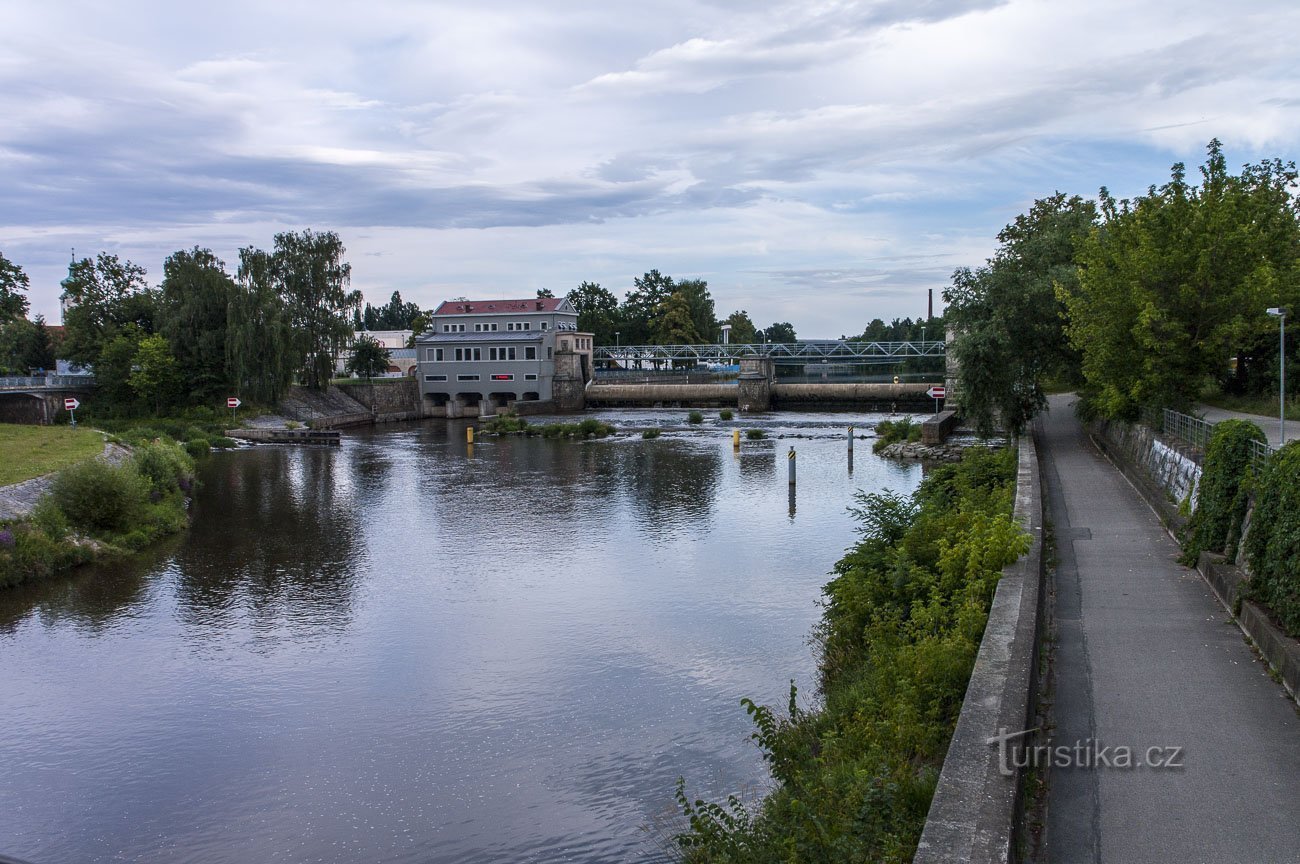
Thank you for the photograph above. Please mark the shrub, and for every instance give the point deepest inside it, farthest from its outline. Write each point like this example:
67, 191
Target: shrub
755, 434
650, 433
889, 432
223, 442
197, 448
98, 497
505, 424
164, 464
725, 414
292, 424
33, 555
1273, 544
695, 417
1221, 494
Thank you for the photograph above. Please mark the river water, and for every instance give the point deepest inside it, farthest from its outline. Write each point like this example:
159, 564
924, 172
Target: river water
400, 651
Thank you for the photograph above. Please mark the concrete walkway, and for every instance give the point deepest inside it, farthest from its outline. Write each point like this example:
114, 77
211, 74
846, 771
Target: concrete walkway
1272, 426
1146, 657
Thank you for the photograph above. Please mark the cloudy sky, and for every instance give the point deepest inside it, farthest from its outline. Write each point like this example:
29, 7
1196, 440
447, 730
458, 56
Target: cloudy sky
820, 162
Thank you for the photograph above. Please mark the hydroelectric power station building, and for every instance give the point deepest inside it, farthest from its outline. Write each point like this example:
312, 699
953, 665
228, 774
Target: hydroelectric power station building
485, 355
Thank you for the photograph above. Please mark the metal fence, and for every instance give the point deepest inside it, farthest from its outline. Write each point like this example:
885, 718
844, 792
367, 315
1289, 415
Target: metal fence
1195, 431
57, 382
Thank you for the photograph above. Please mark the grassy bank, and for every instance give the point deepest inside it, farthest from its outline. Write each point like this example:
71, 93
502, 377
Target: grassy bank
30, 451
98, 511
904, 617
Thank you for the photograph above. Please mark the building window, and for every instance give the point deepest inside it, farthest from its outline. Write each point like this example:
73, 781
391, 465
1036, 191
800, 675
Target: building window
510, 353
437, 355
543, 325
458, 353
435, 377
478, 353
466, 377
527, 325
530, 353
548, 353
446, 328
510, 325
494, 328
530, 377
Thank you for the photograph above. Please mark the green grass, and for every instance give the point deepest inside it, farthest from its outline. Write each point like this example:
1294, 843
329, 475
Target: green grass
30, 451
1263, 405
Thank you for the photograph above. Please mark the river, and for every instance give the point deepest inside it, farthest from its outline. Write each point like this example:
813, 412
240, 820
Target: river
398, 651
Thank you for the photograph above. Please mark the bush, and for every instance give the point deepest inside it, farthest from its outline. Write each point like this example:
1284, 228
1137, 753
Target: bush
755, 434
695, 417
98, 497
650, 433
197, 448
1273, 544
1221, 495
889, 432
164, 464
725, 414
33, 554
223, 442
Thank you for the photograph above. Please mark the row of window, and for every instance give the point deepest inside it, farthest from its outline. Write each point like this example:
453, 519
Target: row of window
503, 352
491, 327
499, 376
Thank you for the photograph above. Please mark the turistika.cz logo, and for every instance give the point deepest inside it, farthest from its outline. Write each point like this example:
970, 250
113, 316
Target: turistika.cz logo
1090, 753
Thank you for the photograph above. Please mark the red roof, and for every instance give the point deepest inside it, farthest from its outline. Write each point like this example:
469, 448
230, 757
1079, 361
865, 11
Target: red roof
487, 307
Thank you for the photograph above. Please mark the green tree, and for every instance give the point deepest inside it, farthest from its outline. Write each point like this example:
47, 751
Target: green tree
674, 324
368, 359
13, 288
1174, 282
312, 276
1008, 319
105, 295
194, 308
598, 312
154, 375
703, 314
258, 350
113, 368
25, 346
641, 306
782, 331
743, 331
545, 293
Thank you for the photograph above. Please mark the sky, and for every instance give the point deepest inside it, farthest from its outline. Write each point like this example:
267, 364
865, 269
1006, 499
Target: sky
817, 162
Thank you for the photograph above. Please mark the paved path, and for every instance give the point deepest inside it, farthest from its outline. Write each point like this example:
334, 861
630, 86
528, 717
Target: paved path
1272, 426
1147, 657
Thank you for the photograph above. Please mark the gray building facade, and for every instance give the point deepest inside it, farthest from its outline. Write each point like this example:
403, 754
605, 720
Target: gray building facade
483, 355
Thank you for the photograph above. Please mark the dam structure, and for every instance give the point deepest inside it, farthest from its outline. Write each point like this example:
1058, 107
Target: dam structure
642, 376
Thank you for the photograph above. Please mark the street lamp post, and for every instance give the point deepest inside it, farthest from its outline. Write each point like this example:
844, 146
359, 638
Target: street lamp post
1280, 313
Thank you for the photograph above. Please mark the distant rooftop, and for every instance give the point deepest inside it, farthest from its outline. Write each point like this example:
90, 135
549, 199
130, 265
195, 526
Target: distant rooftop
503, 307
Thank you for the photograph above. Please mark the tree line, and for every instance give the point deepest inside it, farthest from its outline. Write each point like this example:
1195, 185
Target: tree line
1136, 303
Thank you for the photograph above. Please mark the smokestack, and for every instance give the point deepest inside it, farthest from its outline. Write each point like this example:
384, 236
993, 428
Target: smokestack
930, 313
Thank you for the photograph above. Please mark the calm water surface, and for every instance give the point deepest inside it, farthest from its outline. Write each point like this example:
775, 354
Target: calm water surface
399, 651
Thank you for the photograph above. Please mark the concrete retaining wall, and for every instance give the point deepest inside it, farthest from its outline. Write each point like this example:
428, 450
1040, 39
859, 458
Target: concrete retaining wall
936, 429
976, 811
1167, 467
390, 399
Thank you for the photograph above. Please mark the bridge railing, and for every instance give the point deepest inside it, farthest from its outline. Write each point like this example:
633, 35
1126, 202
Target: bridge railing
48, 382
847, 351
1195, 431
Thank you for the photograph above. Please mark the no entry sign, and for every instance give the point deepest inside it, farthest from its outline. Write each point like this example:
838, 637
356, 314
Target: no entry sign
233, 402
71, 404
937, 392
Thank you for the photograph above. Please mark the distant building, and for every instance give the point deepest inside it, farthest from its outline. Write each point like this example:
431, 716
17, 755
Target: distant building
489, 353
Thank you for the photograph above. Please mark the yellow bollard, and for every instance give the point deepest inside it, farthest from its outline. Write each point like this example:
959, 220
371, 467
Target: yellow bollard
469, 434
735, 439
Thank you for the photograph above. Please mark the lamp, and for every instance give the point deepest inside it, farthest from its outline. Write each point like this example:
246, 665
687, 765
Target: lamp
1280, 313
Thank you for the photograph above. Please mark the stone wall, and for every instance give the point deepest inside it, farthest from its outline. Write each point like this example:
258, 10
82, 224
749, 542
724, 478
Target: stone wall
1174, 469
390, 399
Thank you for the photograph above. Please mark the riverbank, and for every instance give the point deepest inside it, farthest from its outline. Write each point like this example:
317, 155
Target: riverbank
32, 451
904, 617
98, 509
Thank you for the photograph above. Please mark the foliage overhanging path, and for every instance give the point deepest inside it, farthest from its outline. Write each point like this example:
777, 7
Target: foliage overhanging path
1143, 641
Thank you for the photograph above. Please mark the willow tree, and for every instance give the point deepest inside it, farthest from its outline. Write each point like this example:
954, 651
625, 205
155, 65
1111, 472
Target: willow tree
258, 351
195, 298
313, 278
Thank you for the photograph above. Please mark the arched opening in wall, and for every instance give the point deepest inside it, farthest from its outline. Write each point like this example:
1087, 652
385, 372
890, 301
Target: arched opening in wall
469, 398
438, 399
26, 408
501, 400
530, 396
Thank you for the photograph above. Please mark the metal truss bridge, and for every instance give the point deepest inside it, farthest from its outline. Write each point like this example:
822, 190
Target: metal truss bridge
782, 353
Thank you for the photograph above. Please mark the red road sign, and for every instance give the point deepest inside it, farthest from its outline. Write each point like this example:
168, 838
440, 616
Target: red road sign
71, 404
937, 392
233, 402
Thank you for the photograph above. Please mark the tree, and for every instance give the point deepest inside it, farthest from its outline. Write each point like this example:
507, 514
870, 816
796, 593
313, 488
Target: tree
597, 312
1175, 282
105, 295
13, 286
194, 307
368, 359
258, 349
641, 306
743, 331
703, 314
782, 331
312, 277
1009, 323
113, 368
25, 347
154, 376
674, 324
544, 293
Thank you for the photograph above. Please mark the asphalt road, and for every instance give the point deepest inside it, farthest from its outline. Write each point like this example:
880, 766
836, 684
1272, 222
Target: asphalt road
1147, 658
1272, 426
